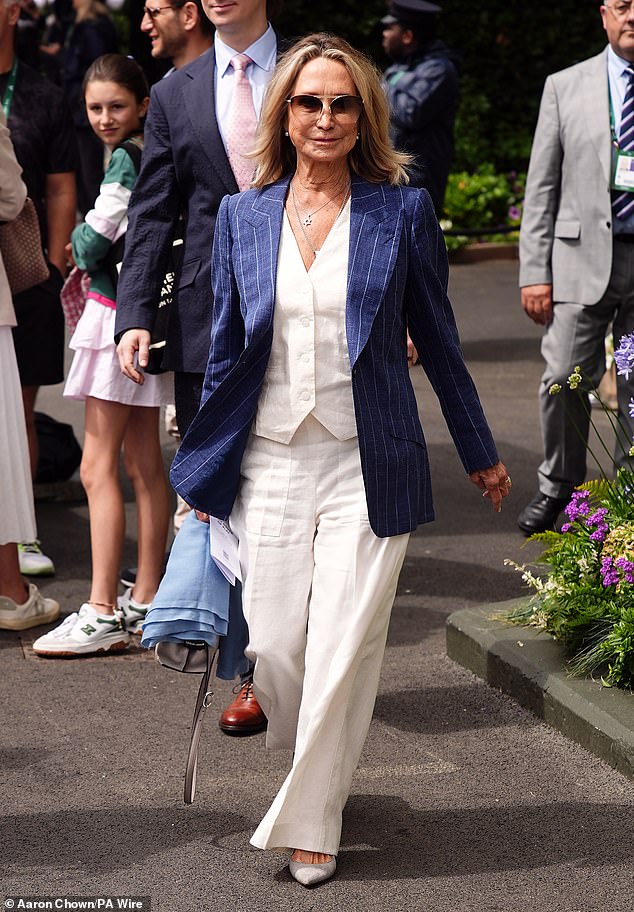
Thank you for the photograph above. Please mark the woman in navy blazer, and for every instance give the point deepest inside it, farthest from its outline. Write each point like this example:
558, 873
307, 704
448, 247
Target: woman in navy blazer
308, 437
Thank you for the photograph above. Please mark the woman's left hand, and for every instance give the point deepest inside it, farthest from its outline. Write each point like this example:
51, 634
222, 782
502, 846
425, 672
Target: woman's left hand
494, 482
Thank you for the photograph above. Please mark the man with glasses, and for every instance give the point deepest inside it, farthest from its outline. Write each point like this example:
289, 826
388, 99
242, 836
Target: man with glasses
179, 31
200, 122
577, 251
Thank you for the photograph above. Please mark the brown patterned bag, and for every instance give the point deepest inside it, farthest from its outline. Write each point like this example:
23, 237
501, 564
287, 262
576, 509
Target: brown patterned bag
21, 249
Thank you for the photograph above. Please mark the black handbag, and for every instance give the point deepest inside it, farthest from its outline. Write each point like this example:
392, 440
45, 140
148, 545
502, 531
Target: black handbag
59, 450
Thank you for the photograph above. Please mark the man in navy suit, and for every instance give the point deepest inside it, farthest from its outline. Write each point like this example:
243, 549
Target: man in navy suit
186, 172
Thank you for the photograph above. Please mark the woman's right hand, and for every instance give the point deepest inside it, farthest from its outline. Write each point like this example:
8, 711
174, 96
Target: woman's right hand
131, 342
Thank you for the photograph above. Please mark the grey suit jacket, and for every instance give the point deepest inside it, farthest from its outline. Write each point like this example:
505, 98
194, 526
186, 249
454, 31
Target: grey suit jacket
566, 233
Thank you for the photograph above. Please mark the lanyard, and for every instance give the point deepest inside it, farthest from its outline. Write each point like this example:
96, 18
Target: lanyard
7, 98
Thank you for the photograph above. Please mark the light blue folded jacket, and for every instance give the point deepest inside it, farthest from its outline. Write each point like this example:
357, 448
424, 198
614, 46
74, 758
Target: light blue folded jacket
195, 602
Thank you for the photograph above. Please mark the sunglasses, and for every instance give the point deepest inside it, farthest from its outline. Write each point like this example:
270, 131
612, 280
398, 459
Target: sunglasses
344, 108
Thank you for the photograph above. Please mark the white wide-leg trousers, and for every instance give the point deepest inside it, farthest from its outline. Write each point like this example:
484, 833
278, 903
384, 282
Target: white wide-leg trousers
318, 588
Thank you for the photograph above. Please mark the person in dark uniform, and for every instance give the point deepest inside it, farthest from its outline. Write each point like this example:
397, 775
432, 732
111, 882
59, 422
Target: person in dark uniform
422, 88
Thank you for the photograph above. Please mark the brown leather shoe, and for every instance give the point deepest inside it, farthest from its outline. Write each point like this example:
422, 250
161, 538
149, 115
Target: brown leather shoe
244, 716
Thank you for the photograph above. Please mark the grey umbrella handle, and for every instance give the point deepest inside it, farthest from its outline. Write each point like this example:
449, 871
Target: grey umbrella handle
202, 702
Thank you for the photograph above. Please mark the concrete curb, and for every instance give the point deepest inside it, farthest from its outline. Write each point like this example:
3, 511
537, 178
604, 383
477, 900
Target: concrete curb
529, 666
482, 253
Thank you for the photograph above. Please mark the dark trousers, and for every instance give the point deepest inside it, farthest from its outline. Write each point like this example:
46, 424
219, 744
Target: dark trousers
188, 390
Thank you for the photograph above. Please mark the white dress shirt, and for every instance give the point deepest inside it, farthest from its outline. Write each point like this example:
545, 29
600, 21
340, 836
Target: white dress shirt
263, 53
309, 366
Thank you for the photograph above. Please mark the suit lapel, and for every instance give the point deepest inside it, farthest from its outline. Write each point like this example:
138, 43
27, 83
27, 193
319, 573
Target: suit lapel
595, 100
200, 101
265, 217
375, 229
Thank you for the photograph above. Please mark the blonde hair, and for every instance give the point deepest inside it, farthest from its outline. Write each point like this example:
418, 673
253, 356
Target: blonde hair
373, 156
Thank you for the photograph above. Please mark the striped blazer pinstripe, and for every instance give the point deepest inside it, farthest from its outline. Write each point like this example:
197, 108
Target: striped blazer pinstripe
397, 278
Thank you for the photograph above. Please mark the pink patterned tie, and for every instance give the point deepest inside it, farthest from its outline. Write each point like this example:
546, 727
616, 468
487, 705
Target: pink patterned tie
241, 124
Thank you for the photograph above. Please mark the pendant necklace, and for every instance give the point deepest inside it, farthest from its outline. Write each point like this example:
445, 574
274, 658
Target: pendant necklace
305, 222
307, 219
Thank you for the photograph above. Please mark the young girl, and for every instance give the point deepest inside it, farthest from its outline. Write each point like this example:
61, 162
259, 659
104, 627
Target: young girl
119, 414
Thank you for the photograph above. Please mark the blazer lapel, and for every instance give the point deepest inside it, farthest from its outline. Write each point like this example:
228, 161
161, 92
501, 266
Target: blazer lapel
375, 229
595, 96
265, 217
200, 101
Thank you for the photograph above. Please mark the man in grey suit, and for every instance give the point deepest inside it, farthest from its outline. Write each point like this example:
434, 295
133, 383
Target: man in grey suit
577, 251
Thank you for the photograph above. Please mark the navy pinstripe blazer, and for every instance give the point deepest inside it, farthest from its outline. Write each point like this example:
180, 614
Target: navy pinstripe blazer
397, 278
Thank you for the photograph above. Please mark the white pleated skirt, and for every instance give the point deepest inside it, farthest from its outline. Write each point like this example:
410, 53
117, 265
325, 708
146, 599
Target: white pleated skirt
17, 516
95, 369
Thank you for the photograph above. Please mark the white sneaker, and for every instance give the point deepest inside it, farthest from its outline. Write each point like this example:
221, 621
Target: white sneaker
35, 611
133, 612
32, 561
84, 633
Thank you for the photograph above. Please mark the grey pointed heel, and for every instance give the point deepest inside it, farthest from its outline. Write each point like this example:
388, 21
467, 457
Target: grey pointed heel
310, 874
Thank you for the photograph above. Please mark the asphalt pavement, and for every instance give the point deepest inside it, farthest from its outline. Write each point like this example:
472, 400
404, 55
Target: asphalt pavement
463, 802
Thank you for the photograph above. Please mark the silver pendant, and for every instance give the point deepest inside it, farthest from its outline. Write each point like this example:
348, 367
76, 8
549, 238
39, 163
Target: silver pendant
308, 220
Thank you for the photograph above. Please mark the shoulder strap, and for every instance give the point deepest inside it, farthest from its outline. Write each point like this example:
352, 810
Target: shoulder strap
134, 150
202, 702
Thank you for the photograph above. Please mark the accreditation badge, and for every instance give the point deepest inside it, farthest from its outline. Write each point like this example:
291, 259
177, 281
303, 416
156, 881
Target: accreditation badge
623, 178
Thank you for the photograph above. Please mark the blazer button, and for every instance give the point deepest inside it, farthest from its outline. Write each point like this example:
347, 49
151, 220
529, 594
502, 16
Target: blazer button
608, 224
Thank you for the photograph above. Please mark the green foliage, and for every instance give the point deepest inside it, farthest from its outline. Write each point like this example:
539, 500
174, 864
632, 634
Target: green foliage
482, 202
357, 23
122, 22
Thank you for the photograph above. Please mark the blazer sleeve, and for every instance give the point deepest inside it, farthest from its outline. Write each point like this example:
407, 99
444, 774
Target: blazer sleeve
227, 337
93, 238
153, 215
433, 329
542, 193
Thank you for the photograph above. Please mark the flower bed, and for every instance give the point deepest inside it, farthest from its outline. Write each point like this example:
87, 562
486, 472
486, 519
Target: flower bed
583, 583
484, 207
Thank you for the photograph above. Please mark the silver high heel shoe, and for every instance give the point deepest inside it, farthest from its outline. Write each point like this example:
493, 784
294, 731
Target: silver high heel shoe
310, 874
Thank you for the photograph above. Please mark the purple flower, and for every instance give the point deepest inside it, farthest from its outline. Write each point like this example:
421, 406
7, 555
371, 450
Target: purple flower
609, 573
514, 214
578, 505
597, 517
624, 356
626, 567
